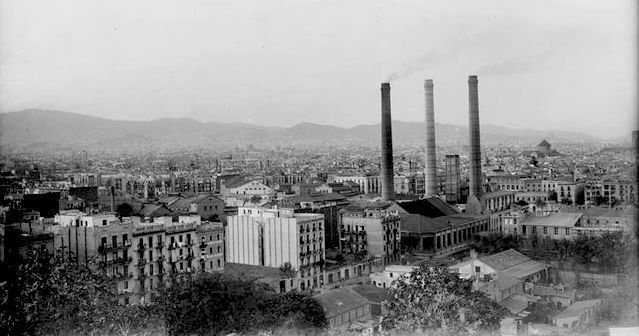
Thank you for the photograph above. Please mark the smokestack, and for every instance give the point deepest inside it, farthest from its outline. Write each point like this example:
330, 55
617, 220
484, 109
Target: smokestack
430, 159
388, 185
475, 147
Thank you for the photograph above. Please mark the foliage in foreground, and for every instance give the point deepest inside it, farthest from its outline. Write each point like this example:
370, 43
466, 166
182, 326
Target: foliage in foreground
44, 296
432, 298
218, 304
48, 296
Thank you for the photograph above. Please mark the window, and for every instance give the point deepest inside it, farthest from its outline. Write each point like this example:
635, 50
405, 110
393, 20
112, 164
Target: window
219, 262
556, 231
477, 269
180, 238
125, 237
567, 231
218, 249
151, 269
545, 230
114, 241
391, 275
126, 284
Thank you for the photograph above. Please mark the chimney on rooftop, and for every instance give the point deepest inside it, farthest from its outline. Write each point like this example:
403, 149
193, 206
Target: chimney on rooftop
430, 156
388, 185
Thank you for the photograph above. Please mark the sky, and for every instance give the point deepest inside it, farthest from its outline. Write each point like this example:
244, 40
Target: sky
562, 64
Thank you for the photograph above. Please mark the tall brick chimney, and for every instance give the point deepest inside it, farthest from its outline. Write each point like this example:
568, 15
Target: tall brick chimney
388, 183
430, 156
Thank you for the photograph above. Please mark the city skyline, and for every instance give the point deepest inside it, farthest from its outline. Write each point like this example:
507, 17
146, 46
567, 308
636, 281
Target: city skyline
288, 63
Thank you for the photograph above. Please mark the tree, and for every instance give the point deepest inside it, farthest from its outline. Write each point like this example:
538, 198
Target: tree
432, 298
124, 210
41, 295
255, 199
287, 270
552, 196
522, 203
211, 304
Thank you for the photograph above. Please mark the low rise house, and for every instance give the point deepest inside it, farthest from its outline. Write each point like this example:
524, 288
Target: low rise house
344, 306
391, 273
577, 314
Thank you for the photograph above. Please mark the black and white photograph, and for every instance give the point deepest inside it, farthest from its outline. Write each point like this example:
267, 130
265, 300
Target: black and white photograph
319, 167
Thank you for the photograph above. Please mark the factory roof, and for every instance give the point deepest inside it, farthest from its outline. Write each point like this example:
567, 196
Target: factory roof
421, 224
561, 219
430, 207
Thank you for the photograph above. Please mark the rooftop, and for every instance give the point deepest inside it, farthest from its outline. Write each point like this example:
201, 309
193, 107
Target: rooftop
562, 219
577, 308
503, 260
339, 301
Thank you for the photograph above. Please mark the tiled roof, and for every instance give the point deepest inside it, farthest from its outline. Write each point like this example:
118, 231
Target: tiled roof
525, 269
372, 293
339, 301
503, 260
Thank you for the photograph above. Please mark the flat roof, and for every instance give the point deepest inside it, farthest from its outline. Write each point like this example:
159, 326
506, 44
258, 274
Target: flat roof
563, 219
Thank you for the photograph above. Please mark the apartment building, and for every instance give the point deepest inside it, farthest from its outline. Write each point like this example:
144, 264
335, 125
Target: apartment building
372, 231
271, 237
211, 246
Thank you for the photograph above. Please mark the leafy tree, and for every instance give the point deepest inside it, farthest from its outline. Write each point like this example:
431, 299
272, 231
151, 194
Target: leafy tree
552, 196
211, 304
496, 242
287, 270
431, 298
522, 203
255, 199
41, 295
124, 210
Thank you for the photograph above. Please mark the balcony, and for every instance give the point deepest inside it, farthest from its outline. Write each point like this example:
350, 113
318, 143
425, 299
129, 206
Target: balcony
203, 245
141, 262
159, 245
141, 247
173, 246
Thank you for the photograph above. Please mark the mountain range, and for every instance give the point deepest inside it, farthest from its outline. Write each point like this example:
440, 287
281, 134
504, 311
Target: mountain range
41, 129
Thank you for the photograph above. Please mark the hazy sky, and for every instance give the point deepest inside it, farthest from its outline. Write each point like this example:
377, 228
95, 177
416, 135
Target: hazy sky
566, 65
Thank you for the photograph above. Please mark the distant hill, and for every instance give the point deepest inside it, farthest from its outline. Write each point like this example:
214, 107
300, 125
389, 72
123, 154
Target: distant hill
33, 128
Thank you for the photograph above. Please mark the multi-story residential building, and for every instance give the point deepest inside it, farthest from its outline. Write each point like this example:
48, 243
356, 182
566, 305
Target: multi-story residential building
327, 204
367, 184
532, 196
211, 246
206, 206
273, 237
138, 256
610, 193
372, 231
109, 245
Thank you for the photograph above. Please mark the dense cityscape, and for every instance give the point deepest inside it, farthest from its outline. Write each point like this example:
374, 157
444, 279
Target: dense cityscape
544, 231
237, 168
